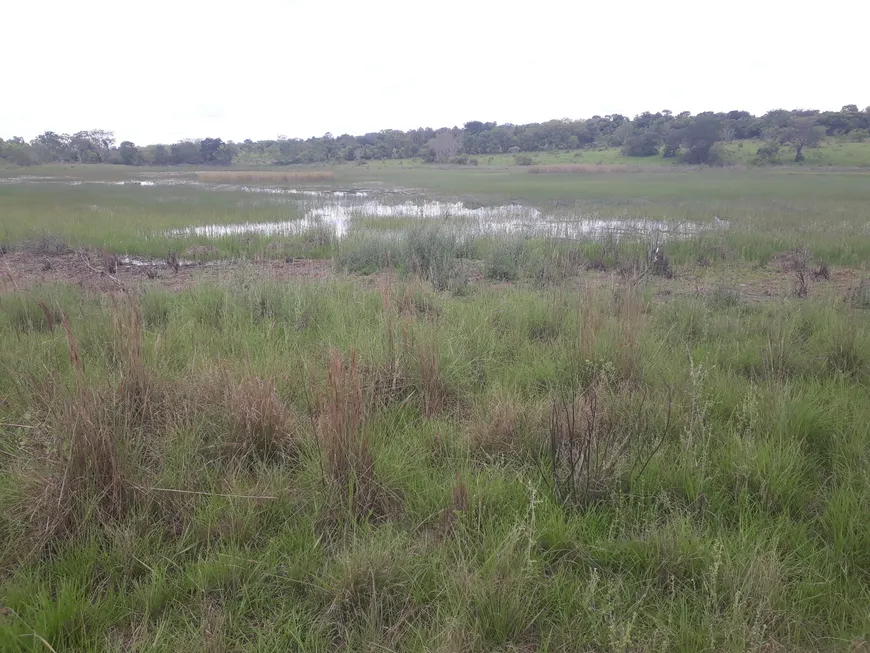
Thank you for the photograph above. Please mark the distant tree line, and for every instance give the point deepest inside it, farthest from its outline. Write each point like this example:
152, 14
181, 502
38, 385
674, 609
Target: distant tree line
691, 139
99, 146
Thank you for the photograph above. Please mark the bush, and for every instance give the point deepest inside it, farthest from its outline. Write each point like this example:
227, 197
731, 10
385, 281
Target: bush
767, 154
430, 253
638, 145
523, 160
504, 260
365, 255
460, 160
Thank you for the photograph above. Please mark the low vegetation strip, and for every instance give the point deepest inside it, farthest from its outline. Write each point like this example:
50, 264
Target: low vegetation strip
265, 176
583, 169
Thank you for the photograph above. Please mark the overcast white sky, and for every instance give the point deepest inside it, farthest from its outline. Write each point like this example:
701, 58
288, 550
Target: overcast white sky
162, 70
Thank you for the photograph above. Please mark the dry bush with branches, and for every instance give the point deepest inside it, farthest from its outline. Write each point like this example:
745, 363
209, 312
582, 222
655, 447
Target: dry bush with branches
600, 439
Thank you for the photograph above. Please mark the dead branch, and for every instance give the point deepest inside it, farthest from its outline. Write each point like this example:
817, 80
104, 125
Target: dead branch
102, 272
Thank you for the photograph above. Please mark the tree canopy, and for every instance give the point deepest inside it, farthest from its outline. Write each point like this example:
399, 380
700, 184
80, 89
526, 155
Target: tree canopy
688, 138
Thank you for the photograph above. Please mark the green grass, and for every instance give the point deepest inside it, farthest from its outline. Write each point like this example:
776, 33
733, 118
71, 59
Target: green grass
385, 464
769, 210
421, 514
832, 153
135, 219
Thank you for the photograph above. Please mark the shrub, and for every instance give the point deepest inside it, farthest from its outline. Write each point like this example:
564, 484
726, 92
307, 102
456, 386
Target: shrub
640, 145
767, 154
365, 255
598, 437
723, 297
430, 253
504, 260
523, 160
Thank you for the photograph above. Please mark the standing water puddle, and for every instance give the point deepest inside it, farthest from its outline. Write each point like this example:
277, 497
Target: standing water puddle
342, 211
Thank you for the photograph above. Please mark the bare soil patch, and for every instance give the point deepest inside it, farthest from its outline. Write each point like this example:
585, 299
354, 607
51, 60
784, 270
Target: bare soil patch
87, 269
91, 270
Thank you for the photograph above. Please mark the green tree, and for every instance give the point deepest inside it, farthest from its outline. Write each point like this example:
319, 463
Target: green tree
696, 139
161, 156
215, 152
185, 153
801, 133
58, 146
641, 144
129, 154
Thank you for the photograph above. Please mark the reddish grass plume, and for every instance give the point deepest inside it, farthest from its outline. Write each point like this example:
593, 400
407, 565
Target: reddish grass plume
347, 454
264, 428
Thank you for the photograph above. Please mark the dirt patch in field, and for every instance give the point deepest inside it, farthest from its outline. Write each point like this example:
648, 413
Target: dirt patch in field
90, 270
748, 283
85, 269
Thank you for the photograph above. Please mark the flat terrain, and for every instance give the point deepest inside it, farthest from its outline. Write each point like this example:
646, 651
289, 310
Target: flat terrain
420, 409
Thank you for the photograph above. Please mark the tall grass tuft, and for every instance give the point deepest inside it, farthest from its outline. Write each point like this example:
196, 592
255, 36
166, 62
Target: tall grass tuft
430, 253
137, 388
345, 445
504, 259
264, 428
503, 426
434, 394
87, 480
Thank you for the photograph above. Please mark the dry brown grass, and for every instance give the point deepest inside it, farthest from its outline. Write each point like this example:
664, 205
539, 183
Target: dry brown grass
137, 387
459, 504
415, 299
348, 461
628, 326
502, 426
433, 392
86, 477
264, 428
264, 176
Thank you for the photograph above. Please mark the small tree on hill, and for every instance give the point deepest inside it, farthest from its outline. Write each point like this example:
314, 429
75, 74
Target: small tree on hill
801, 133
445, 145
696, 139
